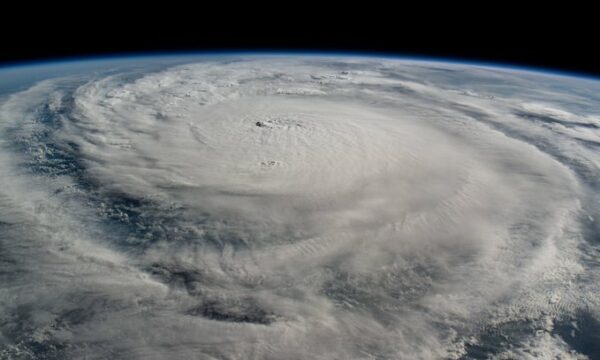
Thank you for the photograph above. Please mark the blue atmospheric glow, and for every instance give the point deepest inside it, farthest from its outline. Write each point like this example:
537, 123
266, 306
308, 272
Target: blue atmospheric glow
178, 55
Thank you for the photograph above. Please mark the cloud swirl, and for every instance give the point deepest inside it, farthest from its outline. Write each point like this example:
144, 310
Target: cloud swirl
300, 208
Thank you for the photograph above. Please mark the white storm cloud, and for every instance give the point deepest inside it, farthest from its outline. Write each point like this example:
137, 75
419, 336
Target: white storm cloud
287, 208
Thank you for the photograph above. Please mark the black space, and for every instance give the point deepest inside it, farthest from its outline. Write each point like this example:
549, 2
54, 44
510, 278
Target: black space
564, 41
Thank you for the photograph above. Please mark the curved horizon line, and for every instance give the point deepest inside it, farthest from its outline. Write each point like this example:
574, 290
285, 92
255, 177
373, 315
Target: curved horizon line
504, 65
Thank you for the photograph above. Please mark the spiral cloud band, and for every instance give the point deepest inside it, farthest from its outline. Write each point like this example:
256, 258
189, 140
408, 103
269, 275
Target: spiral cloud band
300, 208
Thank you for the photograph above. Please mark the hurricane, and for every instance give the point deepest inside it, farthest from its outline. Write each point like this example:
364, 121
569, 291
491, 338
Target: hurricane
299, 207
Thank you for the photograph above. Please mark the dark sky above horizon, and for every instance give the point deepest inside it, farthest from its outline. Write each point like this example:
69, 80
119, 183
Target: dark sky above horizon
523, 40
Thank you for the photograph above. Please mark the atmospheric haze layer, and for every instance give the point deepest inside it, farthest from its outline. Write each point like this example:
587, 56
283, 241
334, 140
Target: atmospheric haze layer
298, 207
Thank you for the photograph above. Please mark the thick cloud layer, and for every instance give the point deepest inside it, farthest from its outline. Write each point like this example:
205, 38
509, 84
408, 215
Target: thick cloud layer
300, 208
